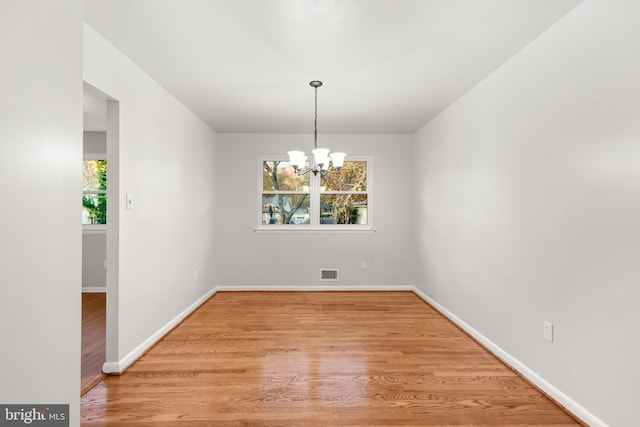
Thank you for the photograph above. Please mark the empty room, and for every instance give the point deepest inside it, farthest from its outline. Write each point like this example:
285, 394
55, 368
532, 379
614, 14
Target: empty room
320, 212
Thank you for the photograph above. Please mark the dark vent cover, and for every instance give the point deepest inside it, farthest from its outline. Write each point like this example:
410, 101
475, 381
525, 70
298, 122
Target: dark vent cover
329, 274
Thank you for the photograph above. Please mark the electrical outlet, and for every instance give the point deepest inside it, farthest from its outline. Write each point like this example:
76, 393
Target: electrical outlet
195, 275
548, 331
363, 264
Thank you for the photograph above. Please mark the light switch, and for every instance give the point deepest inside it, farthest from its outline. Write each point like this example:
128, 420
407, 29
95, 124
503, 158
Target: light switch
129, 201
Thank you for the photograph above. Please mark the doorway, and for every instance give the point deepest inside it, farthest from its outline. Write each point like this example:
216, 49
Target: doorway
99, 233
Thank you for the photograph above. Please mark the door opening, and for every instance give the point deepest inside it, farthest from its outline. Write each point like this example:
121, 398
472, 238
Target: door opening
99, 234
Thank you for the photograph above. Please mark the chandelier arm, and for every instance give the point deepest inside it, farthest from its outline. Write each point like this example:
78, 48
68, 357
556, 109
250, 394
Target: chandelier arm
325, 172
302, 171
315, 169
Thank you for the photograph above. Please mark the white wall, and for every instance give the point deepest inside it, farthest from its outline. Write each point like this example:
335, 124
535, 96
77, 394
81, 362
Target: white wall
166, 157
40, 188
246, 258
95, 142
94, 254
529, 207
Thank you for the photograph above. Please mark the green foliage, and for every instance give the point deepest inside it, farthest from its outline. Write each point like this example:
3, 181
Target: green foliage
101, 174
95, 179
96, 206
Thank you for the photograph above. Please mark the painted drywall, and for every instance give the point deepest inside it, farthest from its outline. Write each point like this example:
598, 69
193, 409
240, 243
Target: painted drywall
94, 254
40, 158
95, 142
528, 199
165, 162
245, 258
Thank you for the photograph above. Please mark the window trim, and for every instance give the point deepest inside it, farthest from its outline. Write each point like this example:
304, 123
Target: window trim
94, 156
314, 194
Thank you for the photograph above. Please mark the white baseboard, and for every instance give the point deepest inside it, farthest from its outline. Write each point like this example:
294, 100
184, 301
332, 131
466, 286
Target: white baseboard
317, 288
94, 289
120, 366
112, 368
571, 405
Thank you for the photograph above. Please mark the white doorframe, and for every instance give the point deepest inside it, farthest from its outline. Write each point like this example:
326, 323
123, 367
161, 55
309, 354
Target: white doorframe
113, 232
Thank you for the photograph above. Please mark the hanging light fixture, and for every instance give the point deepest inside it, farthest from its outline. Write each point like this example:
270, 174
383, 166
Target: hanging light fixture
321, 156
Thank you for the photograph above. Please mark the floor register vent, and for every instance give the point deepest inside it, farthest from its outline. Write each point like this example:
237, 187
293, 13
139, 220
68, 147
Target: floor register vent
329, 274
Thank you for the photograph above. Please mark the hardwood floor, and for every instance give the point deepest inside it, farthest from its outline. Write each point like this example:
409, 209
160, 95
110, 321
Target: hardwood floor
318, 359
93, 339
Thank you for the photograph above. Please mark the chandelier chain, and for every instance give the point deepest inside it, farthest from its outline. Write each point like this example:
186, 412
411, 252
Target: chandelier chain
321, 156
315, 122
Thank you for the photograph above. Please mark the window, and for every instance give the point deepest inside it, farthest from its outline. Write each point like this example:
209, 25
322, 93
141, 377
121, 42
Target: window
343, 197
94, 192
289, 201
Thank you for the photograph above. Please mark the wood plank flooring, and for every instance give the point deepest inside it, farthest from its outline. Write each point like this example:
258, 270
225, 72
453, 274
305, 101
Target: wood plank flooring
93, 339
318, 359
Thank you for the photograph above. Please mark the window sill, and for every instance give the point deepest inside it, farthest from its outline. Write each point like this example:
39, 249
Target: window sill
94, 228
314, 230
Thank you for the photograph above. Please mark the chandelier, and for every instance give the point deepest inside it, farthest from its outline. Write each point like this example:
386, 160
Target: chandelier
321, 156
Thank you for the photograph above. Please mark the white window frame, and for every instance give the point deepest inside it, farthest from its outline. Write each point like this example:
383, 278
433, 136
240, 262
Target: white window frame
314, 205
95, 228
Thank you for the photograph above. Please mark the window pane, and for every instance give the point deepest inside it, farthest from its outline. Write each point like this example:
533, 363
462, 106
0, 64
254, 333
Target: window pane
94, 175
352, 177
285, 209
280, 176
94, 209
343, 209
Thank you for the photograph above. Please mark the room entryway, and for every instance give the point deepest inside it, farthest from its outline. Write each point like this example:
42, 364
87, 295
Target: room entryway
99, 234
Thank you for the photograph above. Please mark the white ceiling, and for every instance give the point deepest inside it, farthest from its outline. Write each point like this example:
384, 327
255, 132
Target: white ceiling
388, 66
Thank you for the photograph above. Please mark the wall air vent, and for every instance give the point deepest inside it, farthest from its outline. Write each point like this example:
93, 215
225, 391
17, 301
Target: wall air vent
329, 275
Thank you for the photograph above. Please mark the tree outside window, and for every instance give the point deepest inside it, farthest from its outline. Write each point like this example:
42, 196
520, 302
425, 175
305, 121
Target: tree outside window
94, 192
343, 196
287, 198
285, 194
